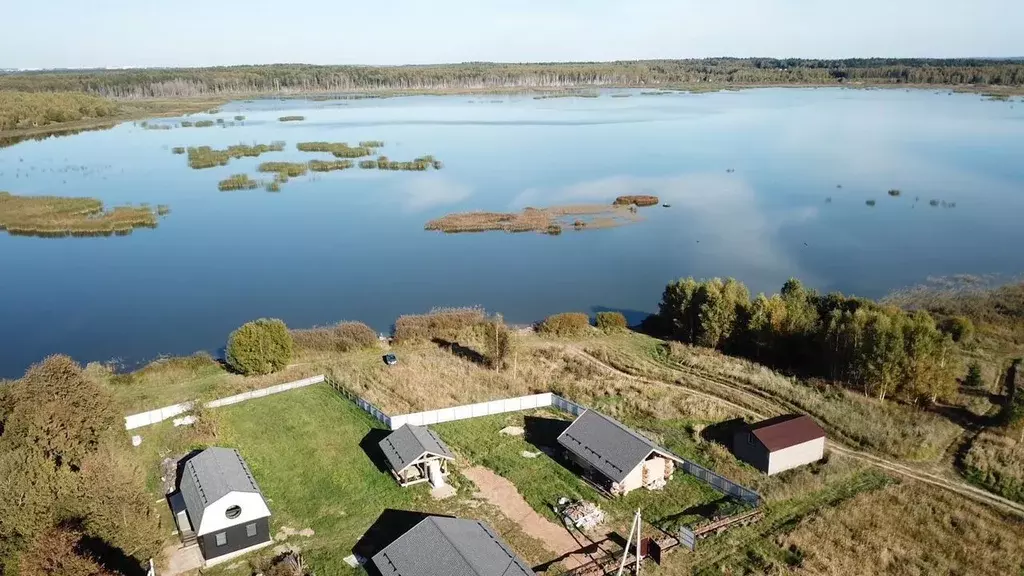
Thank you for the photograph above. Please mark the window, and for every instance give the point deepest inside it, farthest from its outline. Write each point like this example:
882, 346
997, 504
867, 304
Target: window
750, 439
250, 530
222, 539
233, 512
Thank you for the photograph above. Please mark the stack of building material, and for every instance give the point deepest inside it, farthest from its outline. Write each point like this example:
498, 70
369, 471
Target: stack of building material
583, 515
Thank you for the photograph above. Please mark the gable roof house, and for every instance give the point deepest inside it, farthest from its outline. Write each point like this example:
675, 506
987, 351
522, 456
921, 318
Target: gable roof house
780, 443
441, 546
615, 457
219, 506
416, 454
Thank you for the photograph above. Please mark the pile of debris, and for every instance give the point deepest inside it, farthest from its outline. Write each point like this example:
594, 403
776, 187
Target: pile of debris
582, 515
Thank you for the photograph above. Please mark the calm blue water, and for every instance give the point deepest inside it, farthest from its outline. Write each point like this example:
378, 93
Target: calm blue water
351, 245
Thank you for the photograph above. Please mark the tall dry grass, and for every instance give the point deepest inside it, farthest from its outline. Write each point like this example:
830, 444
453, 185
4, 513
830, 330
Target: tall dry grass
996, 462
908, 530
341, 337
443, 323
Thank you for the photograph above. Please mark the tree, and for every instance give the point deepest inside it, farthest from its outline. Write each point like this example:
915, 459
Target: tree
499, 342
973, 378
29, 488
113, 505
880, 356
718, 306
55, 552
678, 310
59, 411
262, 346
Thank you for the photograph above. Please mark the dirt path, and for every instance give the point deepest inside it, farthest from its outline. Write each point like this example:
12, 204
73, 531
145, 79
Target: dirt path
503, 494
964, 489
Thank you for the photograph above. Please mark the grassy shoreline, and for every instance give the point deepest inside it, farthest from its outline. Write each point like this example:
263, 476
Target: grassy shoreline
129, 110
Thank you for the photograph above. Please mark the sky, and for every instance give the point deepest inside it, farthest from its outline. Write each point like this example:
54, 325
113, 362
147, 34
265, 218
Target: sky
115, 33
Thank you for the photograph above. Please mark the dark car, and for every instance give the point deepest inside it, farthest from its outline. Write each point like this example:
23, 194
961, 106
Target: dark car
390, 359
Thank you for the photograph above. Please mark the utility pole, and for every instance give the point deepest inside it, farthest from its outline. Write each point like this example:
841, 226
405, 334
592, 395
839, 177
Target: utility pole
633, 529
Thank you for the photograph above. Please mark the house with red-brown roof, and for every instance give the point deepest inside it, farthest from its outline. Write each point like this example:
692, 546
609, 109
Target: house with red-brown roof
780, 443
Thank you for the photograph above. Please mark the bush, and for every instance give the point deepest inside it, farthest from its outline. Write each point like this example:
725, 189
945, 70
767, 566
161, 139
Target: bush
565, 325
342, 337
973, 378
499, 342
443, 323
611, 321
262, 346
959, 328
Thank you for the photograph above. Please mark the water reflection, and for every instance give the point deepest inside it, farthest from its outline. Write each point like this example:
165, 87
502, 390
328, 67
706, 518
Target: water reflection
721, 213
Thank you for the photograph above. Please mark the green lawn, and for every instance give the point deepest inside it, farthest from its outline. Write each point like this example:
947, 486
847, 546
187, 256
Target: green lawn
304, 449
542, 480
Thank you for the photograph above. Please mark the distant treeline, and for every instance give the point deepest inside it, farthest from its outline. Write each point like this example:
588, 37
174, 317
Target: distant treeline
171, 82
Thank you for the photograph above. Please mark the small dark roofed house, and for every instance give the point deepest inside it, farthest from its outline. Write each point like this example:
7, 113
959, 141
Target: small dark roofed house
439, 546
416, 454
615, 457
780, 443
219, 506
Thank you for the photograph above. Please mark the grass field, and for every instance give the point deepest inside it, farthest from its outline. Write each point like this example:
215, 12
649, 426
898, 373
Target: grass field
306, 450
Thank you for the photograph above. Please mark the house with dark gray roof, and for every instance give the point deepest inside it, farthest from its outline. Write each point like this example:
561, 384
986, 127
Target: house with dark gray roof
780, 443
441, 546
416, 454
219, 506
615, 457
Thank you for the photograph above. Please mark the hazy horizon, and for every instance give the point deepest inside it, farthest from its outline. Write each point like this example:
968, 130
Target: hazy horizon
193, 33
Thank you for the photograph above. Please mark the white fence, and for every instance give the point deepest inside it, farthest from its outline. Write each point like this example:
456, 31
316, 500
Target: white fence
160, 414
472, 410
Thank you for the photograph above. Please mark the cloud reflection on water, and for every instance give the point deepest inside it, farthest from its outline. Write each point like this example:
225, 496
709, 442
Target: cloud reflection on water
716, 225
431, 191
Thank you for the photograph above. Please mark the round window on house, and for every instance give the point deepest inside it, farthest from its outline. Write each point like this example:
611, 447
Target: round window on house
233, 512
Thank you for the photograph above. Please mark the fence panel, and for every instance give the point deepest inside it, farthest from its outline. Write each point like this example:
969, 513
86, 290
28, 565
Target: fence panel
687, 538
134, 421
722, 484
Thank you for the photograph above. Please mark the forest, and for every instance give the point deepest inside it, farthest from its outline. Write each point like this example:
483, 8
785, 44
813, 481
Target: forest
884, 351
284, 78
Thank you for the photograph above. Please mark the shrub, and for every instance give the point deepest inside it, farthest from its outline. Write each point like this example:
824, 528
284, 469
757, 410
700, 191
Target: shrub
262, 346
499, 342
565, 325
445, 323
342, 337
960, 328
611, 321
973, 378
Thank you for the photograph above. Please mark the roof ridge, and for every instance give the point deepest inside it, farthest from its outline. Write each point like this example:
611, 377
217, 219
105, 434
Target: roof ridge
433, 520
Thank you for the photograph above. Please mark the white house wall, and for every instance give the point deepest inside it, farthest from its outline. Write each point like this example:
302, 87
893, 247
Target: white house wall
215, 518
788, 458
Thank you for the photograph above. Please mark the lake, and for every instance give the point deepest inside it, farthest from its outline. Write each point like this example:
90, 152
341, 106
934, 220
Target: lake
752, 178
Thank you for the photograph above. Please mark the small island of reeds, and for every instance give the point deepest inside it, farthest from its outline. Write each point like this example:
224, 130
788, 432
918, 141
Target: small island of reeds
550, 220
291, 118
340, 149
290, 169
237, 182
205, 157
418, 164
330, 165
894, 192
178, 150
57, 217
637, 200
